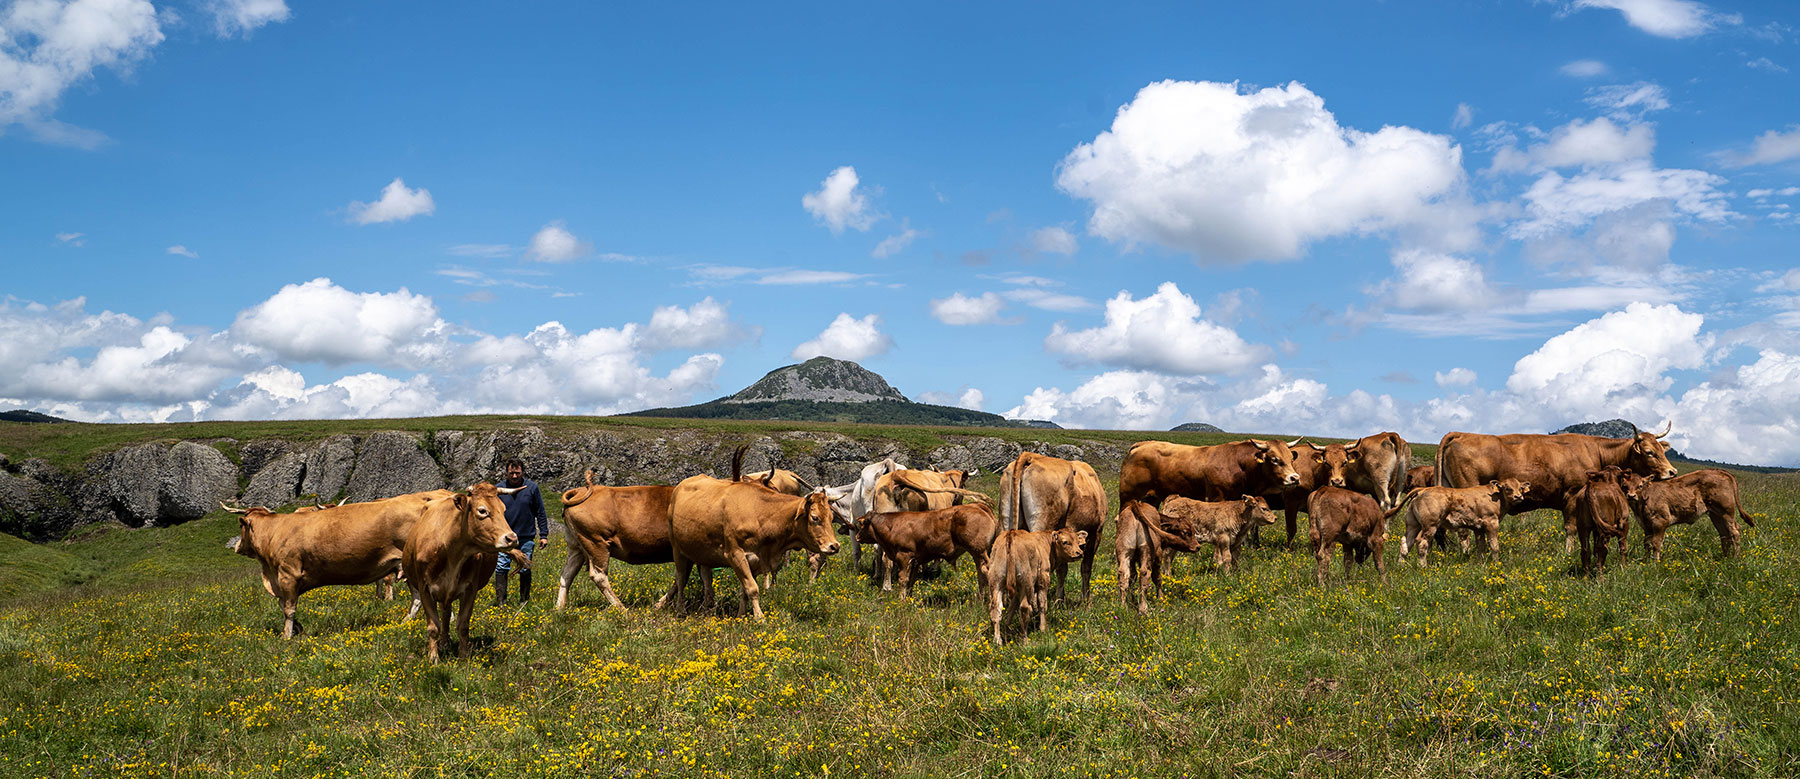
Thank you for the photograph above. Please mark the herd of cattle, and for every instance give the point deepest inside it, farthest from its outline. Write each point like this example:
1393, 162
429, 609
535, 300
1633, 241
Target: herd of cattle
1051, 513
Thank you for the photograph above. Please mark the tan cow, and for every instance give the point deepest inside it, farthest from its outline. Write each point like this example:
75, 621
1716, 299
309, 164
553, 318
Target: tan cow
1141, 539
1154, 470
628, 524
358, 543
1600, 514
1341, 516
720, 523
450, 556
787, 483
1708, 492
911, 538
1225, 524
1432, 510
912, 489
1019, 566
1421, 476
1040, 492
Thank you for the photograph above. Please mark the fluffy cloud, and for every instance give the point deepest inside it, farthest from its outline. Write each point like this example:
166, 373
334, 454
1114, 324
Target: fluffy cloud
1626, 209
1202, 168
1433, 282
240, 17
1163, 332
847, 338
1612, 366
1772, 146
1455, 377
960, 309
1585, 69
554, 243
1053, 240
397, 204
1751, 414
319, 321
840, 202
1665, 18
704, 325
970, 398
47, 46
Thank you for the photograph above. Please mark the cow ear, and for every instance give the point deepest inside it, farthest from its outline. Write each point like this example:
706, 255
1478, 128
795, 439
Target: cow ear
1082, 535
1494, 483
1352, 455
461, 501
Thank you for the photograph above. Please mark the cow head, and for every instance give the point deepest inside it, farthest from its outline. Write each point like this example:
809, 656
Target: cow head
1065, 544
817, 516
1633, 485
484, 516
1277, 460
1333, 462
957, 479
1649, 454
841, 513
1185, 534
247, 520
1257, 512
1509, 492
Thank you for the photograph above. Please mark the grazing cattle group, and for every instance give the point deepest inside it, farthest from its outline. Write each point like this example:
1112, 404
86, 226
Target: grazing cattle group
1050, 512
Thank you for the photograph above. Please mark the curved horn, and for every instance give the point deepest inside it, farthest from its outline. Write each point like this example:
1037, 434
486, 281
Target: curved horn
233, 510
1259, 444
1667, 428
342, 502
1351, 447
508, 490
1296, 442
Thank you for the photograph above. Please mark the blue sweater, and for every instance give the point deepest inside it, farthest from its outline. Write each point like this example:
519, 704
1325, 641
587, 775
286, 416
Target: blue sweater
525, 511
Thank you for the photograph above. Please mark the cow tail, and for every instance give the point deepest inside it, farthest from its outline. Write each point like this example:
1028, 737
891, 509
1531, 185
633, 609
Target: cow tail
1438, 462
1397, 478
579, 494
1738, 498
1400, 504
737, 462
1009, 496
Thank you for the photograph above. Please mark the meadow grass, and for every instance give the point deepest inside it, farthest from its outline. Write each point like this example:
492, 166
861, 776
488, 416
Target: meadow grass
162, 657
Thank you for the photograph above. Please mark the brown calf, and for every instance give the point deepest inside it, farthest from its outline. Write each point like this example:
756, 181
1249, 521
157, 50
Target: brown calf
1683, 499
1600, 513
450, 556
1223, 523
1142, 538
1040, 492
1340, 516
1422, 476
909, 539
1019, 573
1432, 510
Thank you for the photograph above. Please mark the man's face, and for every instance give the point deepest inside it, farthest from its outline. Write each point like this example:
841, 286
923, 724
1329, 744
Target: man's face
514, 475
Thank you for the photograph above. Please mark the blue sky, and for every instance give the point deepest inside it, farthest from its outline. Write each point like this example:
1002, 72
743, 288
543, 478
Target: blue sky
1331, 218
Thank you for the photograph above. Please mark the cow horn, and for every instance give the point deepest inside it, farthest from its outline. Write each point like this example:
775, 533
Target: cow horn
342, 502
1259, 444
507, 490
1350, 447
1666, 429
233, 510
1296, 442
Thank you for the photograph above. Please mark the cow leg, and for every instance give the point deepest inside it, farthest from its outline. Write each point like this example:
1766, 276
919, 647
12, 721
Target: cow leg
1293, 523
674, 596
1321, 555
909, 570
996, 610
1087, 566
1587, 560
740, 562
815, 564
1349, 557
1724, 521
1493, 540
1126, 565
1600, 550
463, 644
571, 564
1568, 533
1040, 601
434, 629
984, 574
1375, 549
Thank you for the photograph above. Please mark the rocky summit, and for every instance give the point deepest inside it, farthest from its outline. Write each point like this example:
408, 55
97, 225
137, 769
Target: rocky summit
819, 379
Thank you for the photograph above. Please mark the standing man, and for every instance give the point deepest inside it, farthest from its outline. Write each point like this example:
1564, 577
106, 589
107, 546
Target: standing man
525, 513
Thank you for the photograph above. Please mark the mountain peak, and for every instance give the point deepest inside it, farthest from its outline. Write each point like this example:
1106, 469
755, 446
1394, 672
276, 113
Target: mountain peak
820, 378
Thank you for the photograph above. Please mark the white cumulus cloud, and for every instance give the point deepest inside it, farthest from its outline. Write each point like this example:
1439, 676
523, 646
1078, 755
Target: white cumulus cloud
841, 202
1770, 147
960, 309
397, 204
241, 17
706, 324
319, 321
554, 243
1163, 332
1053, 240
1203, 168
847, 338
1455, 377
47, 46
1614, 365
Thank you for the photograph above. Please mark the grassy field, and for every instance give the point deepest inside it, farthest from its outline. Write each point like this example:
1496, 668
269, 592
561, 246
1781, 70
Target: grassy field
156, 653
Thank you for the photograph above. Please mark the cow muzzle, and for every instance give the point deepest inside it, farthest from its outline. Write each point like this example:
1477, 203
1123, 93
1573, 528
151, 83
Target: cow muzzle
508, 541
830, 548
1291, 480
1669, 474
1337, 482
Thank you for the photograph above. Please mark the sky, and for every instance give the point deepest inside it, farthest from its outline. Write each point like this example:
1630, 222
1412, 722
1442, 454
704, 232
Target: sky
1329, 218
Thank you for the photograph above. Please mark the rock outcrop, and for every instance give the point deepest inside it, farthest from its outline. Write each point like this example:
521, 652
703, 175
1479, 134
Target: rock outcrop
159, 483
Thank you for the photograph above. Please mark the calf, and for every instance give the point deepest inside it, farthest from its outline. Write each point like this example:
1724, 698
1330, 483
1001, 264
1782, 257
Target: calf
1422, 476
1224, 523
1039, 492
1019, 573
1600, 513
1142, 538
909, 539
1683, 499
1430, 511
1340, 516
450, 556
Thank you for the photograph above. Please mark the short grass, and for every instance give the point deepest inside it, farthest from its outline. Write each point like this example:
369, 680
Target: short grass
156, 653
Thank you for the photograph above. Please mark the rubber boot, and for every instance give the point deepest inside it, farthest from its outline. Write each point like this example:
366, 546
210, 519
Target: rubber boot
500, 588
524, 586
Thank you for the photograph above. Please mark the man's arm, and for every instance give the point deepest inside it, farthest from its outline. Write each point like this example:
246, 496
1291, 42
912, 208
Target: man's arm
543, 519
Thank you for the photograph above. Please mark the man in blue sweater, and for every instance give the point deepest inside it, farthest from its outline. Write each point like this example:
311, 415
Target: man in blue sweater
525, 513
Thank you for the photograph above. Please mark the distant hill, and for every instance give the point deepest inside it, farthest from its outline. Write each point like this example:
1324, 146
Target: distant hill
1619, 428
1043, 423
1195, 427
827, 390
24, 415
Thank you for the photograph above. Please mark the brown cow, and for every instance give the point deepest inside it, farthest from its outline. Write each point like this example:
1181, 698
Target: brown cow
1469, 509
1555, 465
1309, 464
1019, 573
384, 587
1421, 476
1142, 537
787, 483
1374, 465
1683, 499
350, 544
628, 524
911, 489
1039, 492
1341, 516
1600, 513
450, 556
1225, 524
720, 523
1154, 470
910, 539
